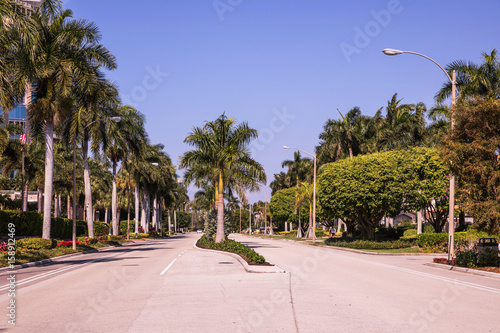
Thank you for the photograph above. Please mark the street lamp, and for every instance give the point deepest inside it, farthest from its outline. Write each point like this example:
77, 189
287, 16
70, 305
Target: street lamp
451, 211
115, 119
314, 190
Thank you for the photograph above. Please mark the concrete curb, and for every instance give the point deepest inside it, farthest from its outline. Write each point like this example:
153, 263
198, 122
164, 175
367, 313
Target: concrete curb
55, 259
352, 250
246, 266
464, 270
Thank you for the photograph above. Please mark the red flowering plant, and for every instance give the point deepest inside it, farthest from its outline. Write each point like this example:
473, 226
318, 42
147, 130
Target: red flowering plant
68, 243
4, 247
444, 261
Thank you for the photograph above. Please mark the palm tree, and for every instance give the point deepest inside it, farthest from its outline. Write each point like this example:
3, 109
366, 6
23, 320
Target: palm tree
299, 169
346, 136
62, 54
94, 104
403, 125
222, 150
120, 139
473, 79
281, 181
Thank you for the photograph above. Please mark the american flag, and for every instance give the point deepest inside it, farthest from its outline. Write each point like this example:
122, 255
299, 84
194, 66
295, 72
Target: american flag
23, 139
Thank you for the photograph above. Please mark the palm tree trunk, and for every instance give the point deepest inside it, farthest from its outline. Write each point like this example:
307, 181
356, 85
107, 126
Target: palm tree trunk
220, 212
160, 216
106, 210
114, 204
155, 216
40, 200
88, 189
56, 205
169, 223
49, 177
175, 220
68, 206
136, 217
25, 198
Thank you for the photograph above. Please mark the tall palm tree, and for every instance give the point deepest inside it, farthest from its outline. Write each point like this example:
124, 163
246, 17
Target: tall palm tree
281, 181
63, 51
345, 136
120, 139
95, 102
299, 169
399, 124
473, 79
222, 150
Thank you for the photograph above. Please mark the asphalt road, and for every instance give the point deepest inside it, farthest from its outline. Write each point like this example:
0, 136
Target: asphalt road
168, 286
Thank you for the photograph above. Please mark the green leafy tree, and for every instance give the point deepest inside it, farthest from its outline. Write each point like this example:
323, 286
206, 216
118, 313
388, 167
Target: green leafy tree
363, 190
474, 149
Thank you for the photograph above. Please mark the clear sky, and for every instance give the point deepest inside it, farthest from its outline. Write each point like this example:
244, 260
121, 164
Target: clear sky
285, 67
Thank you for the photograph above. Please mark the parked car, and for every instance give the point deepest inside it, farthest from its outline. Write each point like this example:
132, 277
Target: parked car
199, 231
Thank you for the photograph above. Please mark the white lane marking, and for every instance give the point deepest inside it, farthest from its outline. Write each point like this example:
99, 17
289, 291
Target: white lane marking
168, 267
442, 278
42, 275
431, 276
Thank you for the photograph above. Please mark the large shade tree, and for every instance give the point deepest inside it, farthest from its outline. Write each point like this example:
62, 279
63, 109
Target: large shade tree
474, 147
221, 153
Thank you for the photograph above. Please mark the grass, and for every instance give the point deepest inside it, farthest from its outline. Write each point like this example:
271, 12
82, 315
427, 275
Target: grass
24, 256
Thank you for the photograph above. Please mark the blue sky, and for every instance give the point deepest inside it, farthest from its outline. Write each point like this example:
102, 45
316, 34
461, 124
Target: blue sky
285, 67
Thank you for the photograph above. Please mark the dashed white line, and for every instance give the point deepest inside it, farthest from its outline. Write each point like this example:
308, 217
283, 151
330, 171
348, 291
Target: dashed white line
168, 267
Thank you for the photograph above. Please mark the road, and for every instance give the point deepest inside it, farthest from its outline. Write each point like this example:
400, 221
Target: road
169, 286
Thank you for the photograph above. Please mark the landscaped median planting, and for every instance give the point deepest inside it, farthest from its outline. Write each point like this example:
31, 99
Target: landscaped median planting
229, 245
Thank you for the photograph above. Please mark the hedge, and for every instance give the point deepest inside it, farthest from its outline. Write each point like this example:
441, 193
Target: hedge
36, 243
30, 224
368, 245
233, 246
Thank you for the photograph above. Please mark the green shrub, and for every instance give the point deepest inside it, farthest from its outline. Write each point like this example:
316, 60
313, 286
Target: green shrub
427, 229
432, 242
488, 257
139, 235
368, 245
410, 232
36, 243
321, 233
100, 228
233, 246
27, 223
466, 259
210, 219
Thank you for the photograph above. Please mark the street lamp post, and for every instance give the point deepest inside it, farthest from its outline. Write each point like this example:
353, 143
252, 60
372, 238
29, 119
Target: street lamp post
115, 119
314, 189
451, 211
